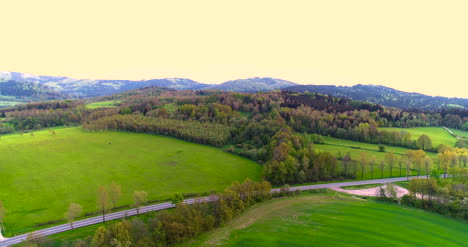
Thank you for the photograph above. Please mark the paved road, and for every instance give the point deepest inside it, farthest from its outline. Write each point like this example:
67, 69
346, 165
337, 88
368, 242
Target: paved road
166, 205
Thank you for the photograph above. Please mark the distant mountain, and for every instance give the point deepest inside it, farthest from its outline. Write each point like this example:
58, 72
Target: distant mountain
13, 92
21, 87
92, 88
253, 85
384, 96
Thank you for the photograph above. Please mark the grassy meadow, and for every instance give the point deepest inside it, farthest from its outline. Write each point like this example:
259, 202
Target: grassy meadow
42, 173
460, 133
438, 135
331, 220
109, 103
335, 146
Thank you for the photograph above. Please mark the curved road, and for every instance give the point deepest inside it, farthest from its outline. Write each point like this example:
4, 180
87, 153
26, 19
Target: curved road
166, 205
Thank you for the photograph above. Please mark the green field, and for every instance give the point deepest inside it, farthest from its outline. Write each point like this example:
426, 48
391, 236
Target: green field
328, 220
437, 134
41, 174
335, 146
460, 133
110, 103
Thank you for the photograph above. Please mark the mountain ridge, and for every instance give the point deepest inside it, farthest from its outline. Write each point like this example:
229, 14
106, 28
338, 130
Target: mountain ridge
85, 88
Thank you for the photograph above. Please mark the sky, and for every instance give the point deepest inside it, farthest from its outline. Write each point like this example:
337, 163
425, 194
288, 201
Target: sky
411, 45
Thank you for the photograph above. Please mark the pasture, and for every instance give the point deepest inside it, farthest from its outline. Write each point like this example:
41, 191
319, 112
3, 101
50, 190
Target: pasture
438, 135
460, 133
331, 220
42, 173
109, 103
339, 147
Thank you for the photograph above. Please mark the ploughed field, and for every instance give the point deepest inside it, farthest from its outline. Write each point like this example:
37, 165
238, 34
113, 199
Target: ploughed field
41, 174
332, 220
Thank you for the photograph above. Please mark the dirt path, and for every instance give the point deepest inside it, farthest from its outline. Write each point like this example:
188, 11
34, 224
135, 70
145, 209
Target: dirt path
450, 132
372, 191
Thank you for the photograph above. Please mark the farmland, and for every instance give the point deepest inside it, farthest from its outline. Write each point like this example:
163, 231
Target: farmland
438, 135
43, 172
331, 220
109, 103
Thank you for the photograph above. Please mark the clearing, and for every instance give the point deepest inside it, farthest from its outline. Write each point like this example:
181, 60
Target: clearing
109, 103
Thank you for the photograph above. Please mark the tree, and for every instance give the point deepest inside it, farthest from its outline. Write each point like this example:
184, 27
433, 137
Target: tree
2, 217
115, 193
391, 191
424, 142
73, 211
346, 161
178, 198
121, 234
364, 162
99, 238
444, 160
372, 163
391, 158
139, 197
427, 165
416, 158
401, 161
465, 126
103, 201
408, 167
382, 167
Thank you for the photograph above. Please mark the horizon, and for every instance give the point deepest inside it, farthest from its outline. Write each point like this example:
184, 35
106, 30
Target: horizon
337, 85
307, 42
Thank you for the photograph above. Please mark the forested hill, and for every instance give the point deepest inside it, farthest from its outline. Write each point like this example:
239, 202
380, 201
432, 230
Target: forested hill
253, 85
384, 96
92, 88
25, 91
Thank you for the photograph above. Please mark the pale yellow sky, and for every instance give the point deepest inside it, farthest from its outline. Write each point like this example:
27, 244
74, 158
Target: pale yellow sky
419, 45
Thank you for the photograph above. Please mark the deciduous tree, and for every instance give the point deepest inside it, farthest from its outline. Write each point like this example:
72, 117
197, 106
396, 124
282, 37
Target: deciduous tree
139, 197
115, 193
74, 210
103, 201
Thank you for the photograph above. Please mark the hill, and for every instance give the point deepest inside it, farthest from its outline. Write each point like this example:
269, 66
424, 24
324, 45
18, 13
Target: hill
90, 88
253, 85
384, 96
16, 91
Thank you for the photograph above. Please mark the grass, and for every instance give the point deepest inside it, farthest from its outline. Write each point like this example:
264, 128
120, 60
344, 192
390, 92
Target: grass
437, 134
109, 103
460, 133
361, 186
42, 174
404, 184
335, 146
329, 220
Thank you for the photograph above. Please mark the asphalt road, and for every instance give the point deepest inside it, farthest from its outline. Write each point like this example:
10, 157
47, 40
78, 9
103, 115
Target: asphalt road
166, 205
